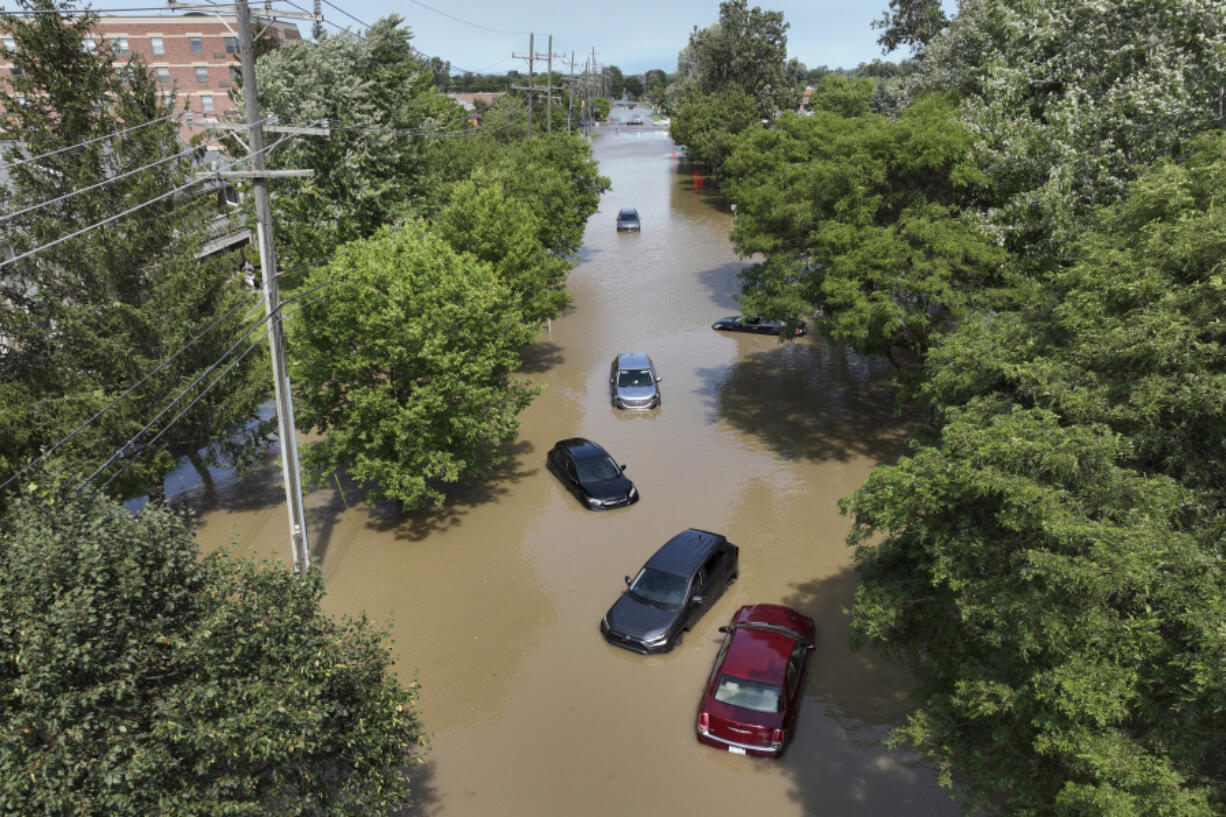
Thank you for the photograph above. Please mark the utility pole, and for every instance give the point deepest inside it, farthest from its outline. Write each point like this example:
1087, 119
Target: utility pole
272, 298
549, 89
570, 92
531, 86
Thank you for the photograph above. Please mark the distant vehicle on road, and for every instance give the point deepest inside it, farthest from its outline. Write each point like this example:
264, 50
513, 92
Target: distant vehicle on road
755, 323
638, 120
628, 220
632, 382
753, 693
671, 591
591, 474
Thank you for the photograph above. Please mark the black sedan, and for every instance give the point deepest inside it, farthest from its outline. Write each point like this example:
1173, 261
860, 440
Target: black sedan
756, 323
591, 474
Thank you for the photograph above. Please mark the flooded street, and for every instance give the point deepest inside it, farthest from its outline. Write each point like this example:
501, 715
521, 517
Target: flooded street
495, 600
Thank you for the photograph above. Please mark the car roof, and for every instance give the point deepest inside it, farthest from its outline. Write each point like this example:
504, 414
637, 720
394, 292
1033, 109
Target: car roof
633, 360
760, 655
775, 615
628, 211
683, 554
582, 449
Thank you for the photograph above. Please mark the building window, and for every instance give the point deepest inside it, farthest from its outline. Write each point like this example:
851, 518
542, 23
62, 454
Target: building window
120, 45
231, 45
9, 44
236, 75
168, 100
163, 74
157, 45
202, 73
197, 45
206, 103
90, 45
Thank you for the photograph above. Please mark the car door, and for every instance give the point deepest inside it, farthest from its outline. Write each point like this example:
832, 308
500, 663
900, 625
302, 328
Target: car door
572, 476
795, 681
696, 601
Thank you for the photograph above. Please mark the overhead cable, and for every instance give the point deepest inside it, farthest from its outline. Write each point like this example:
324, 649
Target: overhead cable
140, 206
88, 142
6, 216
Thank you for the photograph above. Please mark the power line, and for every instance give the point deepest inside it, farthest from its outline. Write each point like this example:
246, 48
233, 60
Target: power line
347, 14
140, 206
131, 458
466, 22
89, 141
6, 216
131, 389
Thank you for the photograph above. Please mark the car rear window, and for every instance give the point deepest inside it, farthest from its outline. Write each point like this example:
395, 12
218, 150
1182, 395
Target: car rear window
746, 694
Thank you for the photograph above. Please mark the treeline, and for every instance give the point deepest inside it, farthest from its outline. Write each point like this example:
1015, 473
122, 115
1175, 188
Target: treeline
417, 264
1028, 223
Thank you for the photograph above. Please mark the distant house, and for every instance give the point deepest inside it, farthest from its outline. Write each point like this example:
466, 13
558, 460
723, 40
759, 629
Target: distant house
469, 102
804, 101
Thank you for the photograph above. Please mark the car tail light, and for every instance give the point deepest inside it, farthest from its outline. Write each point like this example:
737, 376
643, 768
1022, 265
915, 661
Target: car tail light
777, 739
704, 723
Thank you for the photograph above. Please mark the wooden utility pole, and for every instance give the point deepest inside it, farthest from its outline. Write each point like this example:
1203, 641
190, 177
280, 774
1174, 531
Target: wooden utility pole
272, 298
531, 86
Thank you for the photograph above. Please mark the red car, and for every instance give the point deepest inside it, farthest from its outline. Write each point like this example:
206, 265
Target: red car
751, 699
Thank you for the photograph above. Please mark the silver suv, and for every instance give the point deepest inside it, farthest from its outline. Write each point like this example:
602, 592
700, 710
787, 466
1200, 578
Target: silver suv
632, 382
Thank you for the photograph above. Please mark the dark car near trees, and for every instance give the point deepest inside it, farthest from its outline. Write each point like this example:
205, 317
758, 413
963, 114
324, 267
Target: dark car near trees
757, 324
628, 220
751, 698
671, 591
591, 474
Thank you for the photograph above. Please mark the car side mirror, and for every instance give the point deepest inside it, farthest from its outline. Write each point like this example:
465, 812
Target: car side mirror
658, 379
810, 647
723, 629
699, 599
623, 466
627, 580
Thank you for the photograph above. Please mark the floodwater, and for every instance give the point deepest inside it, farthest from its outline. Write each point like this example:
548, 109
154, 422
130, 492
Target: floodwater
495, 599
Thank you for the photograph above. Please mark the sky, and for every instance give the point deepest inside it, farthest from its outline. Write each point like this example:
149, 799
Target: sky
635, 35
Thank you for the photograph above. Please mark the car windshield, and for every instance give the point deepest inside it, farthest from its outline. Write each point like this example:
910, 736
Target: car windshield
628, 215
598, 470
630, 378
756, 695
658, 588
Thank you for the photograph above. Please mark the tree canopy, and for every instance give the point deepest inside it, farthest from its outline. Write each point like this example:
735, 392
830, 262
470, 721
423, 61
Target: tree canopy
404, 366
85, 319
1049, 561
138, 678
860, 217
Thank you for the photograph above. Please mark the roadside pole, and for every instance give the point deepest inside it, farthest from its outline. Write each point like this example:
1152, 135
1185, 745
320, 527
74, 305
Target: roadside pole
299, 545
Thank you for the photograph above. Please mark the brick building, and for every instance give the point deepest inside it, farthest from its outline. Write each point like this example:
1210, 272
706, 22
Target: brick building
194, 56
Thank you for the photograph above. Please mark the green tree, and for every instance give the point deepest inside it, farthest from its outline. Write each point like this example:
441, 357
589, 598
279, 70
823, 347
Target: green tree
404, 367
709, 123
141, 679
634, 86
89, 317
845, 96
556, 177
1070, 100
1048, 561
382, 159
617, 81
860, 217
912, 23
504, 231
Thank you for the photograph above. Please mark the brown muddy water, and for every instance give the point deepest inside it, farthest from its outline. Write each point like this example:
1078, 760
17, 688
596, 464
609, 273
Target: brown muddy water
495, 600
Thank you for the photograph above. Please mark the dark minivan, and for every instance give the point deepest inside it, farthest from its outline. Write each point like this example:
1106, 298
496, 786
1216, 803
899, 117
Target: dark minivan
684, 577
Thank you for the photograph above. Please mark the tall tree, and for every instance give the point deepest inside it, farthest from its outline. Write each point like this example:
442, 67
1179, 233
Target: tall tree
1049, 560
912, 23
1071, 99
746, 50
404, 367
138, 678
380, 163
860, 217
85, 318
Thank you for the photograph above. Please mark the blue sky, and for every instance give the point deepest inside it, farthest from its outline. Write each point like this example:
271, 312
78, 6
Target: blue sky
635, 35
